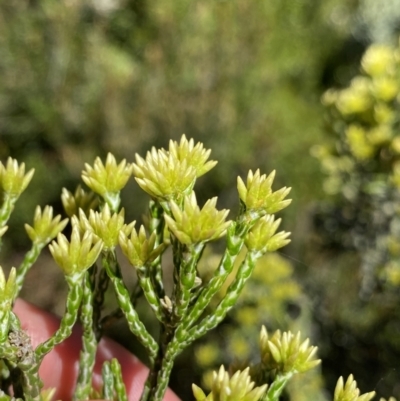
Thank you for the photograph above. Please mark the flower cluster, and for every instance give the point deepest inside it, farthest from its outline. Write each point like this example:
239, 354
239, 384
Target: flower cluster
257, 193
76, 256
107, 180
170, 174
285, 352
192, 225
13, 180
45, 227
349, 392
239, 387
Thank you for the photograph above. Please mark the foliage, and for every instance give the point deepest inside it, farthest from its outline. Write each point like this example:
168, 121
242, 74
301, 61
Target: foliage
361, 217
187, 229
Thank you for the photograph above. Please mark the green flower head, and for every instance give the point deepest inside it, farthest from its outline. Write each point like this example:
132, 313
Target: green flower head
76, 256
107, 180
257, 193
79, 200
8, 289
349, 392
285, 353
192, 225
139, 249
105, 225
239, 387
172, 174
13, 180
262, 237
195, 155
45, 227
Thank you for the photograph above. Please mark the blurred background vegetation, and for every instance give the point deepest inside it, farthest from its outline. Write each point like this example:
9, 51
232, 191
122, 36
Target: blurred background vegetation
79, 78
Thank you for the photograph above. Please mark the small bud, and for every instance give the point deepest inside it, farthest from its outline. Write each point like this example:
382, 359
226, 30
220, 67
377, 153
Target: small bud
13, 179
226, 388
261, 237
171, 174
105, 225
285, 353
167, 303
138, 248
77, 256
192, 225
349, 391
107, 180
196, 156
79, 200
257, 193
45, 227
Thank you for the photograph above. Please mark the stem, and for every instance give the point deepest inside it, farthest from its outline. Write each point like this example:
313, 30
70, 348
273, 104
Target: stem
29, 259
186, 337
68, 320
89, 344
98, 301
187, 276
234, 246
6, 208
156, 225
276, 387
134, 323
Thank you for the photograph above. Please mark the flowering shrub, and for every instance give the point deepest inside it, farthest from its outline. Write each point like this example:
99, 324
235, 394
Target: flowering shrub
90, 263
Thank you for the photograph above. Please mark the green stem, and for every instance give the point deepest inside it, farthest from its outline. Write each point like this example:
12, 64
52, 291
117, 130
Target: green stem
108, 381
29, 259
209, 322
187, 276
98, 301
156, 225
89, 344
119, 385
276, 387
146, 284
235, 241
134, 323
68, 320
6, 208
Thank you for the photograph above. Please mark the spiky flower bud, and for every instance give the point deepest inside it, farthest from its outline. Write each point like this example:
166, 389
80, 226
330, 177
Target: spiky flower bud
7, 293
349, 391
239, 387
138, 248
261, 237
76, 256
79, 200
285, 352
45, 227
196, 156
171, 174
105, 225
192, 225
13, 179
257, 193
107, 180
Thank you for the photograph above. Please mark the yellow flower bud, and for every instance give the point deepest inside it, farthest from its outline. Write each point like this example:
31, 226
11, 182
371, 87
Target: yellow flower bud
45, 227
257, 193
192, 225
349, 391
13, 179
